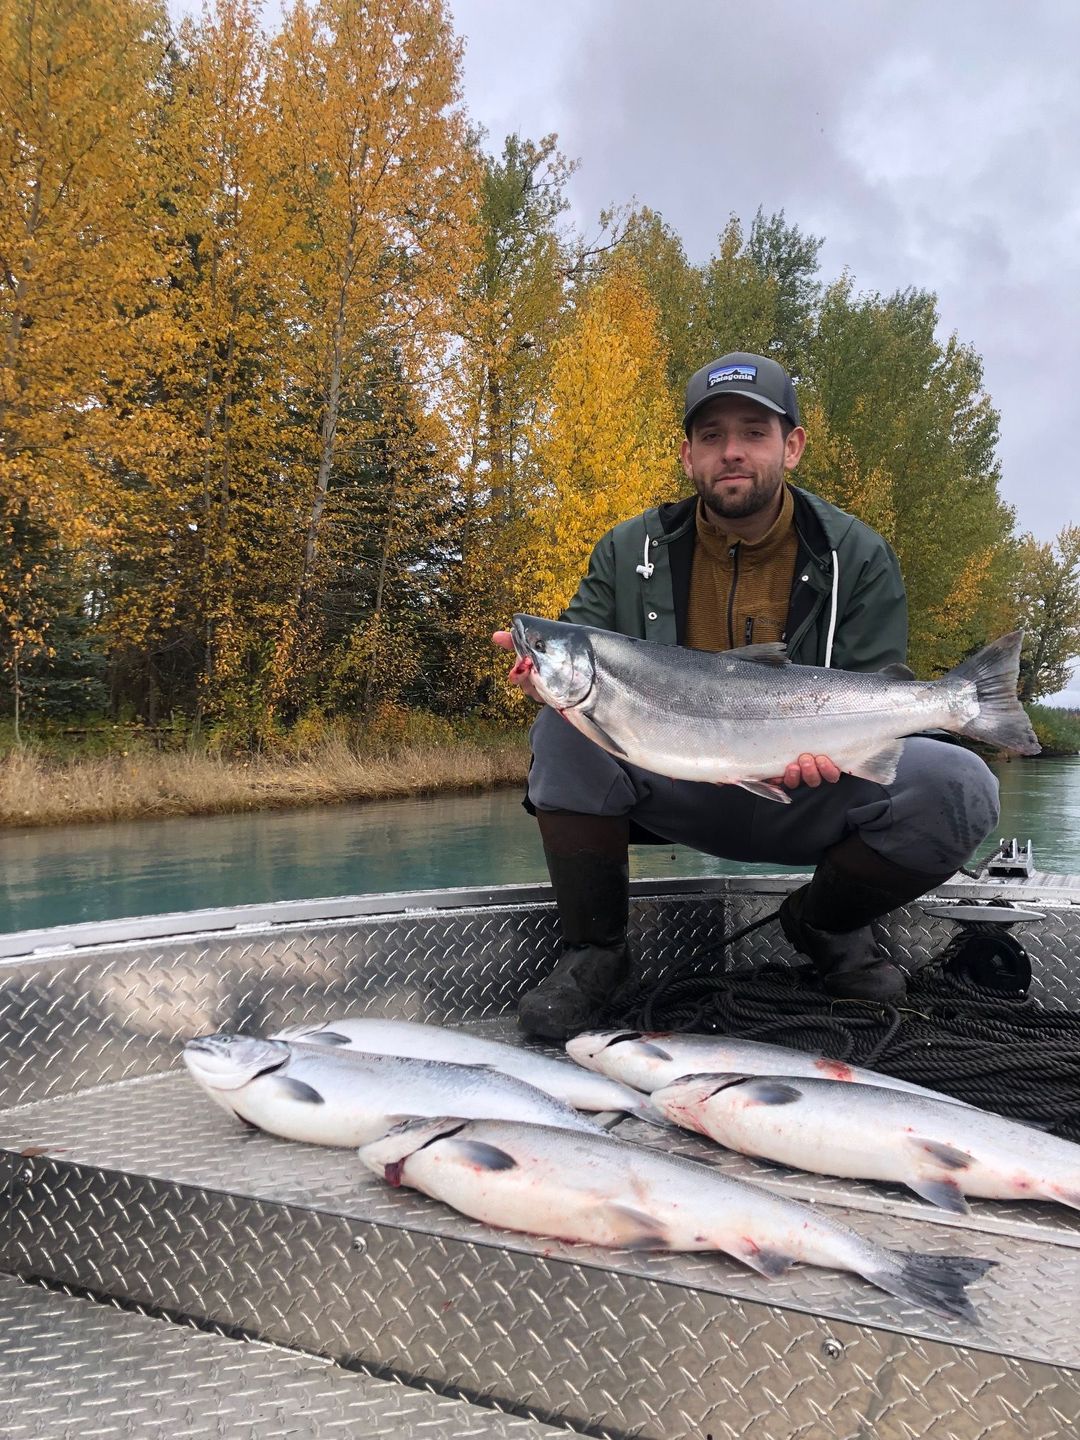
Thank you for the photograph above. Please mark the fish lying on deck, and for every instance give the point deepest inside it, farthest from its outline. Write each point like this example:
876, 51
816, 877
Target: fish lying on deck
940, 1150
740, 717
325, 1097
648, 1061
565, 1082
602, 1191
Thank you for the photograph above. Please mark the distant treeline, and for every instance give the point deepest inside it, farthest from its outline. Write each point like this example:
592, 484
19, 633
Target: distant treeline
302, 391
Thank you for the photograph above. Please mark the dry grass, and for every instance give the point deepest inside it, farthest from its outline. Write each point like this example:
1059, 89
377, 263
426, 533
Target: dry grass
37, 791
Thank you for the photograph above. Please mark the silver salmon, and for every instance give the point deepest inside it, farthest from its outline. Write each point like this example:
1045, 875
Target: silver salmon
650, 1061
602, 1191
941, 1151
740, 717
565, 1082
325, 1097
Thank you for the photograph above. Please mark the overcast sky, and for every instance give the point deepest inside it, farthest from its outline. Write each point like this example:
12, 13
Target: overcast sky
932, 143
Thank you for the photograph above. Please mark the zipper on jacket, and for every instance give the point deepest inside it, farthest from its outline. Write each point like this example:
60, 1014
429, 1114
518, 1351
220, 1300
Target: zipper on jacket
733, 556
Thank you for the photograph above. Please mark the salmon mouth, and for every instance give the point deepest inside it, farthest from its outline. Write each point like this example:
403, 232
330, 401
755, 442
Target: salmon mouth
517, 634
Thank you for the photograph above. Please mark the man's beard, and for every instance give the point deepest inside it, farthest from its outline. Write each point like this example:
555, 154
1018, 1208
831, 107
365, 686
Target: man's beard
761, 494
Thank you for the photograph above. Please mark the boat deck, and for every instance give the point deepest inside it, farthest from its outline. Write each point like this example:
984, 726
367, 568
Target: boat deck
71, 1366
125, 1181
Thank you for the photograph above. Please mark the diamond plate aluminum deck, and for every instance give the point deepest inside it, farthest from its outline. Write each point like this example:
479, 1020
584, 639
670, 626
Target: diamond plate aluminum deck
73, 1369
119, 1178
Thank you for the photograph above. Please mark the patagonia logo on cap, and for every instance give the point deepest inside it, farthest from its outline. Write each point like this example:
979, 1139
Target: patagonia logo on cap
747, 374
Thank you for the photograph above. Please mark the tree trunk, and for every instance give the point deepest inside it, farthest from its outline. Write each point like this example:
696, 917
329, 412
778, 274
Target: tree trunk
18, 697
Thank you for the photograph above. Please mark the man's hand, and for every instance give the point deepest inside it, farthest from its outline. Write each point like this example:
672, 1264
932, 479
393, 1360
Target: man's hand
809, 770
521, 674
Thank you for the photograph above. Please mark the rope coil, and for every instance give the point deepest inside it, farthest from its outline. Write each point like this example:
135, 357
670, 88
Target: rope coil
1000, 1050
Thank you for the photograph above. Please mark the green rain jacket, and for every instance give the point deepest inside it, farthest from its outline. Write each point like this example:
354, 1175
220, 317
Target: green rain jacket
847, 610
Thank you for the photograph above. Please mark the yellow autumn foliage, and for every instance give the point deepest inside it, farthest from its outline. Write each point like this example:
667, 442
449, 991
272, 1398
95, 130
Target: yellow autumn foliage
611, 439
832, 468
76, 242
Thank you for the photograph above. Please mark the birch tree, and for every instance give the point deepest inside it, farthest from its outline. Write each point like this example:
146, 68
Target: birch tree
610, 445
375, 186
1048, 608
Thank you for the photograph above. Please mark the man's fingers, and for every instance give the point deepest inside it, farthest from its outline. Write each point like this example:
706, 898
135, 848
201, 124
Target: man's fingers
503, 639
810, 770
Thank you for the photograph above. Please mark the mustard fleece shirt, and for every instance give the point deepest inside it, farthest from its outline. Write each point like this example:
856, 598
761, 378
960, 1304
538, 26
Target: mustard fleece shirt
740, 589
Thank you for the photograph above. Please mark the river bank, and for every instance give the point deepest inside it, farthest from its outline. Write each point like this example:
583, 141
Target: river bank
55, 781
38, 790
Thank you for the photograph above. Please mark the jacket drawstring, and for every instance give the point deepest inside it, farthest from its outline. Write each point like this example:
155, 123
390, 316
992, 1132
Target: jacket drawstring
832, 615
647, 567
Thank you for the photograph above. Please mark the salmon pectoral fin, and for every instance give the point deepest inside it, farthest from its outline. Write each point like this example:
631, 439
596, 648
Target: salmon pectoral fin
947, 1155
481, 1155
588, 727
880, 766
1064, 1196
633, 1229
771, 1092
934, 1174
298, 1090
763, 790
770, 1263
655, 1052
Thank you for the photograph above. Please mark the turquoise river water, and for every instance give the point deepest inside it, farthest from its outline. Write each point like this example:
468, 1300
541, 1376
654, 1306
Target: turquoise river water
99, 872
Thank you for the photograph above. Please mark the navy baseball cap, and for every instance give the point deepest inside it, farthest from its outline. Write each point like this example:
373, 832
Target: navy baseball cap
740, 373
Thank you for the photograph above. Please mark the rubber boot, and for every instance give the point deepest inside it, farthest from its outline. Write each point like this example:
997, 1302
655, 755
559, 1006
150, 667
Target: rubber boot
587, 860
829, 920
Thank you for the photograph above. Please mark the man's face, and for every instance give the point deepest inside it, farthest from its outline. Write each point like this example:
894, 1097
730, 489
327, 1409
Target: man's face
737, 456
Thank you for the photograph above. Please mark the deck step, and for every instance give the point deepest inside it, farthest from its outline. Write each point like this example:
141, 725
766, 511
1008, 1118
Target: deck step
72, 1368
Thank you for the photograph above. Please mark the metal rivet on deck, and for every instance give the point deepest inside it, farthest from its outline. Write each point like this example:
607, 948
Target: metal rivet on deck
831, 1349
359, 1244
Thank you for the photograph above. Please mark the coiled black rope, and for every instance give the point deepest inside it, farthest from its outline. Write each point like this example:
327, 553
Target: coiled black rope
998, 1049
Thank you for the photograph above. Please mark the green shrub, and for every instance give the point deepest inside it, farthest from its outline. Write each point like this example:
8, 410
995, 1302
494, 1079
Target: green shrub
1058, 730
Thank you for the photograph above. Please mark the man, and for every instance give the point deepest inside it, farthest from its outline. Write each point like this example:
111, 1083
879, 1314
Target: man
749, 558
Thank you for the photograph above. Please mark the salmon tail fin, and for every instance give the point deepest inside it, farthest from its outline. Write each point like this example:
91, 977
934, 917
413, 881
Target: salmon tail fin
937, 1282
994, 671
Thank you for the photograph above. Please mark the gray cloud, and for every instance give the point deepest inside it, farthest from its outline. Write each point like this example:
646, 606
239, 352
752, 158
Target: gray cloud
932, 145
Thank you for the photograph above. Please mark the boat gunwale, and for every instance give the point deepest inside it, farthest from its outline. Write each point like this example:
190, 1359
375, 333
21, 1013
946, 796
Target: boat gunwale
1058, 891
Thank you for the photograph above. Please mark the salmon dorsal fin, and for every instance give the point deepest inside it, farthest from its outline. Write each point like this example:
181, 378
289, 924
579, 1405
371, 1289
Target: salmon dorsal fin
897, 671
773, 652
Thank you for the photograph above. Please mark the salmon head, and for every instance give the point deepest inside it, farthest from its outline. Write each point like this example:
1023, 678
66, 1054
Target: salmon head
228, 1062
561, 657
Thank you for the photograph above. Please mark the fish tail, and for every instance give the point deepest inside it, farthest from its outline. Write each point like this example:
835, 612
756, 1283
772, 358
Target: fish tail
937, 1282
994, 671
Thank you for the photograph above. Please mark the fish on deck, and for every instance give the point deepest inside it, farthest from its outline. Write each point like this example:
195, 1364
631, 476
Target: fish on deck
940, 1150
649, 1061
411, 1038
327, 1097
599, 1190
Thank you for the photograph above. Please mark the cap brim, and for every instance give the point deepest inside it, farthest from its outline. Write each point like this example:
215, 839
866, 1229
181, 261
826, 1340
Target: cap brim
745, 392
